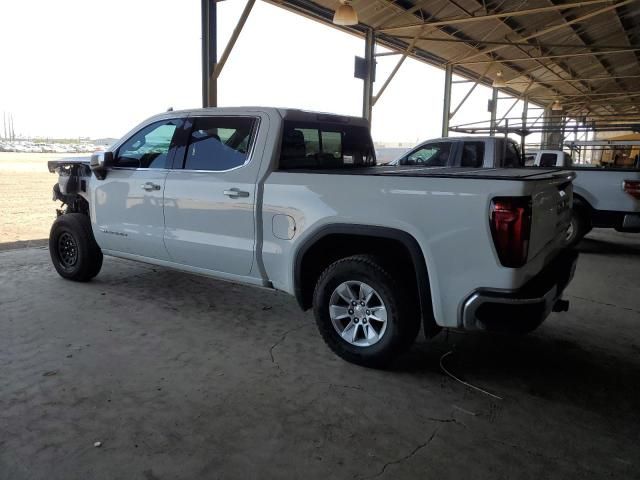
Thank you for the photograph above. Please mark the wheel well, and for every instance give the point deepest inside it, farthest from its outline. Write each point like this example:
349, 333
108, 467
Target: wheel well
74, 202
400, 252
583, 207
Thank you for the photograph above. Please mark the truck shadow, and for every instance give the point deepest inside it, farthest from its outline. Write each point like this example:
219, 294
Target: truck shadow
603, 247
540, 365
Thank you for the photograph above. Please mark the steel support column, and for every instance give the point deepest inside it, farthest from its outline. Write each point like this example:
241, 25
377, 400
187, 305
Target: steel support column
369, 56
446, 103
525, 113
494, 109
209, 53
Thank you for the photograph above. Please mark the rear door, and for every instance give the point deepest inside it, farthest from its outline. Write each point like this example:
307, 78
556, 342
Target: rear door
210, 195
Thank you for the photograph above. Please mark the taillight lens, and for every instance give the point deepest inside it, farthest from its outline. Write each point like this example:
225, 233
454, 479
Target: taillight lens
511, 228
632, 187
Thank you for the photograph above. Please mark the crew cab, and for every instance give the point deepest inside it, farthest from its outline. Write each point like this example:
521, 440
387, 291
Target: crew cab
602, 197
468, 152
294, 201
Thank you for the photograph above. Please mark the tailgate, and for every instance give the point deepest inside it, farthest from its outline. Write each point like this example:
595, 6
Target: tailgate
552, 199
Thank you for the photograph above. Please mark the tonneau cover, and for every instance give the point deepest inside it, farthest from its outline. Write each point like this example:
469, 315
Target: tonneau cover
523, 174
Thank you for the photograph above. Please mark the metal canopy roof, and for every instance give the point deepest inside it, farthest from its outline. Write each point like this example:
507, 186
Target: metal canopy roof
584, 53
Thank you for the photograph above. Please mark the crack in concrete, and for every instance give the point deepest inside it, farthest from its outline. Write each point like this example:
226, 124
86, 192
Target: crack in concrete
604, 303
446, 420
279, 341
405, 458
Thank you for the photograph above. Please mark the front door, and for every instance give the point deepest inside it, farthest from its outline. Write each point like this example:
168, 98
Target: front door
128, 204
210, 196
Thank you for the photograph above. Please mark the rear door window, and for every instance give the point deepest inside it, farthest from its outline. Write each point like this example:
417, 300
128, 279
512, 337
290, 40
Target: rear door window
219, 143
512, 157
472, 154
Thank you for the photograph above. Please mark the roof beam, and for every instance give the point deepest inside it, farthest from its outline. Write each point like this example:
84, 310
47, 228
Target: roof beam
545, 57
614, 94
450, 31
493, 16
555, 27
517, 44
593, 79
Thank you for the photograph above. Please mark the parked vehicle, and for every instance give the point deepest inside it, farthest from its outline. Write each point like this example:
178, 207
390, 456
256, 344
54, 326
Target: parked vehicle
472, 152
294, 201
602, 197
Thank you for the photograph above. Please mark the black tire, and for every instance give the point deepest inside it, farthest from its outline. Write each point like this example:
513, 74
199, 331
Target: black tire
399, 300
73, 249
580, 226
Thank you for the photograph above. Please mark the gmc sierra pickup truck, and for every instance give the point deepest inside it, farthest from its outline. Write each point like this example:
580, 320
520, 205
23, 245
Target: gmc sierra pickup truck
602, 197
294, 201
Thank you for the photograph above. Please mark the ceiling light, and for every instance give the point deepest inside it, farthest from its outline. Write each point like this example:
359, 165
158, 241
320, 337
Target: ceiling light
499, 81
345, 14
556, 106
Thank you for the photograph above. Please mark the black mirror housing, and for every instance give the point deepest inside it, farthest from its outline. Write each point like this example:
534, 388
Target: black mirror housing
100, 163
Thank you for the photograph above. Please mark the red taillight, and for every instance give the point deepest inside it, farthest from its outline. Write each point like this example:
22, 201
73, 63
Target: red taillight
632, 187
510, 228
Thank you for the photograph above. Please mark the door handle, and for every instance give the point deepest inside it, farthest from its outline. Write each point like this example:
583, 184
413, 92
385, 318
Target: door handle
235, 193
150, 186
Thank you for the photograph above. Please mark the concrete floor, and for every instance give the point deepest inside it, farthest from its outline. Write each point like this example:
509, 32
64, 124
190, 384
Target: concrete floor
184, 377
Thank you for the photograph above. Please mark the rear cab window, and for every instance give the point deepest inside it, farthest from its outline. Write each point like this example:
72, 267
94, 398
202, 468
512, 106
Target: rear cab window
548, 159
320, 146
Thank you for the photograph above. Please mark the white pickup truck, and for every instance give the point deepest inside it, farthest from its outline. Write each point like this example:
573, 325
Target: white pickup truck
602, 197
294, 201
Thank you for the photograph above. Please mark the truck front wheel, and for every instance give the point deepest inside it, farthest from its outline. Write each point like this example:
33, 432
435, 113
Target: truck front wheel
365, 315
74, 252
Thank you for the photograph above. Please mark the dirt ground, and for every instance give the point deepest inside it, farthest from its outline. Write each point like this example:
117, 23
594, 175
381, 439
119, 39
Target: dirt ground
183, 377
26, 209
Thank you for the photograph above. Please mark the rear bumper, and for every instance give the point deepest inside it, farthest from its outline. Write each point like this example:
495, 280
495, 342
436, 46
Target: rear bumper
631, 222
528, 306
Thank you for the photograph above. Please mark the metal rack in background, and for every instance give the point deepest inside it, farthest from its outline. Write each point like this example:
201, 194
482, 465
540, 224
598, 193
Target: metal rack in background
581, 146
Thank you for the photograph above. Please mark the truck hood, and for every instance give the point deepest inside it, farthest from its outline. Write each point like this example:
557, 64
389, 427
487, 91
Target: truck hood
53, 165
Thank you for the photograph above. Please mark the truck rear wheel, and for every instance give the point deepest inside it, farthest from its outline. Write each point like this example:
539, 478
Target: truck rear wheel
74, 252
578, 227
363, 314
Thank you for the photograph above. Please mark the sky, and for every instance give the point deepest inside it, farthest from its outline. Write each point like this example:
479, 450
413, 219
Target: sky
72, 68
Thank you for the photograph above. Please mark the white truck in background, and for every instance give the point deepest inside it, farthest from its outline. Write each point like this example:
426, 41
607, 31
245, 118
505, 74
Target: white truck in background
294, 201
602, 197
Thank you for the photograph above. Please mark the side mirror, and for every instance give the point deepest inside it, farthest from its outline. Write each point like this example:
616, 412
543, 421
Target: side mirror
100, 163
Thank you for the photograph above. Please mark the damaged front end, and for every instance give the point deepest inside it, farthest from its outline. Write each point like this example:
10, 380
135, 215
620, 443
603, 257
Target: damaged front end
71, 189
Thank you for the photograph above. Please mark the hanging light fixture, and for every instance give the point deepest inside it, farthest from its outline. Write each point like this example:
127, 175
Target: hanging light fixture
499, 81
345, 14
556, 106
